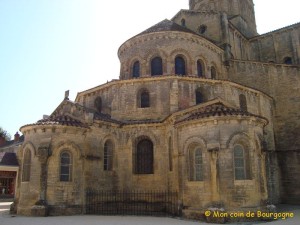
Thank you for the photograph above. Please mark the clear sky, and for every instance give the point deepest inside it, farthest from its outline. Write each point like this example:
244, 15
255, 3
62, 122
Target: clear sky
50, 46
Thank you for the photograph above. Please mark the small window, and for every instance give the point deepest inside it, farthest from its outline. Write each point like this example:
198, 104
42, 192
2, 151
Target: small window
156, 66
108, 155
199, 97
202, 29
213, 73
145, 99
239, 163
200, 68
136, 69
65, 166
196, 165
183, 22
26, 166
179, 66
243, 103
98, 104
288, 60
144, 157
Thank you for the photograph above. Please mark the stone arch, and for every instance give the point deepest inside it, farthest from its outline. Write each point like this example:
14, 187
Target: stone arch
194, 139
140, 101
185, 55
214, 65
191, 146
29, 145
243, 143
151, 55
71, 146
205, 65
131, 64
239, 137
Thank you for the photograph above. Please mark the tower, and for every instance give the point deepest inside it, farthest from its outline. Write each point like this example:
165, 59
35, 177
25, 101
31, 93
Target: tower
240, 12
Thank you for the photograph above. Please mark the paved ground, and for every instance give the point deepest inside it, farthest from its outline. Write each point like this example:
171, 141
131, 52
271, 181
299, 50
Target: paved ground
7, 219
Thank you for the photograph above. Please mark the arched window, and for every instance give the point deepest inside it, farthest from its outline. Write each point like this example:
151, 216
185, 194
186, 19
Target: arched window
200, 68
179, 66
144, 99
98, 104
199, 97
213, 73
26, 166
196, 165
183, 22
156, 66
136, 69
108, 156
243, 103
239, 163
202, 29
170, 155
144, 157
65, 166
288, 60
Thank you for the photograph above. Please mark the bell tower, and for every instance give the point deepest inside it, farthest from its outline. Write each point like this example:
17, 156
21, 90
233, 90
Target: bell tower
239, 12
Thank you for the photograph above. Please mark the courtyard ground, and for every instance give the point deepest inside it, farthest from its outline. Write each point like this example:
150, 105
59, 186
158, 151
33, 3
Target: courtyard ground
7, 219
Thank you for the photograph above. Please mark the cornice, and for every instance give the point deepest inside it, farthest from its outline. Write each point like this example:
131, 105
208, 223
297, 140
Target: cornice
169, 35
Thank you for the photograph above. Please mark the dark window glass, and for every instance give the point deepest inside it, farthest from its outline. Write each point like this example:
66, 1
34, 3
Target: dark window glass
156, 66
136, 69
108, 155
243, 103
179, 66
65, 166
239, 163
288, 60
26, 166
98, 104
145, 99
200, 68
144, 157
213, 73
199, 97
202, 29
196, 165
183, 22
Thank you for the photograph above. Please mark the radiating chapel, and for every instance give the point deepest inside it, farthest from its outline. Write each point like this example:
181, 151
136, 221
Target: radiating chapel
204, 106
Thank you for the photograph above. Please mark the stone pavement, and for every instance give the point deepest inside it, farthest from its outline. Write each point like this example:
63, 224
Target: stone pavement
7, 219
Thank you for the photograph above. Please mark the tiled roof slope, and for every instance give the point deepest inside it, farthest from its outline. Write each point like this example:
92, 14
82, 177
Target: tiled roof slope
167, 25
64, 120
217, 110
8, 159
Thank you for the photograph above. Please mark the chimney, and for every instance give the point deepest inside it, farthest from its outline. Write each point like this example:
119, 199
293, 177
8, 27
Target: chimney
2, 141
17, 137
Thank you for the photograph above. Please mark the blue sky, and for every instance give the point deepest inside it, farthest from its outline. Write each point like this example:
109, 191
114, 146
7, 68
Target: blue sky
49, 46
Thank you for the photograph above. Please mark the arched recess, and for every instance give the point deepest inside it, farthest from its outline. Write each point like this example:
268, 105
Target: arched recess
243, 103
213, 72
143, 156
180, 65
143, 98
156, 66
136, 69
108, 155
153, 53
195, 150
200, 68
54, 161
241, 146
180, 52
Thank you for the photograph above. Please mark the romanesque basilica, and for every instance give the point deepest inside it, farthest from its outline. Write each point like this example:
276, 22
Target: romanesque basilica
204, 107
